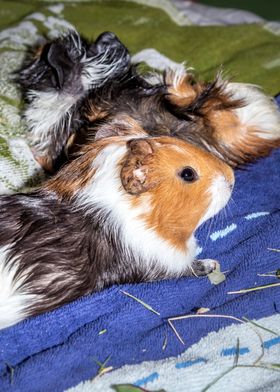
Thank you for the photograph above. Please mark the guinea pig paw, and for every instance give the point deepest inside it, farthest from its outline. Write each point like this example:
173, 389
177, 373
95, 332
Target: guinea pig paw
45, 162
204, 267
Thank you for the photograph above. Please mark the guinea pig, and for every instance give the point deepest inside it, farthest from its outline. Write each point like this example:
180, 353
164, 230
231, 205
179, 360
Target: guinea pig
124, 211
237, 122
56, 78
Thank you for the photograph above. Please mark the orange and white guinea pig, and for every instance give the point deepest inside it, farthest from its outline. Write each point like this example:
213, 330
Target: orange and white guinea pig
124, 211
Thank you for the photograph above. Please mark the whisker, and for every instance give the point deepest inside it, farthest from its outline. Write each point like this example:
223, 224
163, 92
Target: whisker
233, 201
209, 230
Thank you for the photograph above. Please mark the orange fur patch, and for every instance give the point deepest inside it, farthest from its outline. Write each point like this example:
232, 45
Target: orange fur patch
228, 129
184, 90
241, 139
94, 112
44, 161
78, 173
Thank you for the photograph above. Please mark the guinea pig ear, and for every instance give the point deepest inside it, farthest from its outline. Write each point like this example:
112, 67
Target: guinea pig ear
136, 173
60, 61
121, 125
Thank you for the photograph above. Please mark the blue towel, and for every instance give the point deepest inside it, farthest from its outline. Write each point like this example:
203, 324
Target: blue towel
61, 348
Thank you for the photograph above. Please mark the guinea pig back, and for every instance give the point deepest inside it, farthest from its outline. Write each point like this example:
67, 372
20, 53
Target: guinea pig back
124, 211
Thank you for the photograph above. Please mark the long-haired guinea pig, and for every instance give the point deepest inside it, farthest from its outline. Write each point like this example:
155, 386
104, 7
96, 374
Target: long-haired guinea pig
125, 210
72, 86
57, 77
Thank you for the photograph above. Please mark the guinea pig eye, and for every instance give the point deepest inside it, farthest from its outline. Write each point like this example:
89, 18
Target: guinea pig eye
188, 174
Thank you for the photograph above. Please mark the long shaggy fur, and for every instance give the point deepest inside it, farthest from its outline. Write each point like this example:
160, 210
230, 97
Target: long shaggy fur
75, 87
55, 81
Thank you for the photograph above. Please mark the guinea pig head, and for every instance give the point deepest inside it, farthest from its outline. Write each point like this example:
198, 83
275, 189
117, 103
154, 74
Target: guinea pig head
179, 185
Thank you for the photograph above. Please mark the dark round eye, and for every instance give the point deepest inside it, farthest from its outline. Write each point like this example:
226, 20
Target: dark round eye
188, 174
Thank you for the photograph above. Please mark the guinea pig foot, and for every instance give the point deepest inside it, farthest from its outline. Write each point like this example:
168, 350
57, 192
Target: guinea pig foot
45, 162
204, 267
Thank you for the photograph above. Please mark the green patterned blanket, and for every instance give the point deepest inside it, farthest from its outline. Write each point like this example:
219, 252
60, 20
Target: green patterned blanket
159, 35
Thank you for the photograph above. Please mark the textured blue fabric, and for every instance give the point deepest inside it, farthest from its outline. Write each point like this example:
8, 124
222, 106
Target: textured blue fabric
58, 349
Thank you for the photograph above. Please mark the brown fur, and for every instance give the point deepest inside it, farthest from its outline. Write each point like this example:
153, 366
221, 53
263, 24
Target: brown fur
81, 170
136, 173
44, 161
185, 91
242, 139
119, 125
94, 112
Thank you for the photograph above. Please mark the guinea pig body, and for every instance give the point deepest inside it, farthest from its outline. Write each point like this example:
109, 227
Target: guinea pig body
124, 211
236, 122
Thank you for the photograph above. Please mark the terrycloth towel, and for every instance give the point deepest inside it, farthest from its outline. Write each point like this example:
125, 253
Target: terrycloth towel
200, 365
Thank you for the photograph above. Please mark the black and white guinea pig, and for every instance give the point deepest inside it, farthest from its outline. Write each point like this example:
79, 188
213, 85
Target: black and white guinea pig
57, 77
72, 86
124, 211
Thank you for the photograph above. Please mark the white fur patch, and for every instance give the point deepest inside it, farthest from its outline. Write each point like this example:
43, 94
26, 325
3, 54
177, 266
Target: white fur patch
106, 191
260, 112
177, 76
220, 193
47, 112
13, 300
96, 72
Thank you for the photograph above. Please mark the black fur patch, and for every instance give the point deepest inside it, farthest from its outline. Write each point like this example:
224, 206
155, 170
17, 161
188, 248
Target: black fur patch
60, 63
